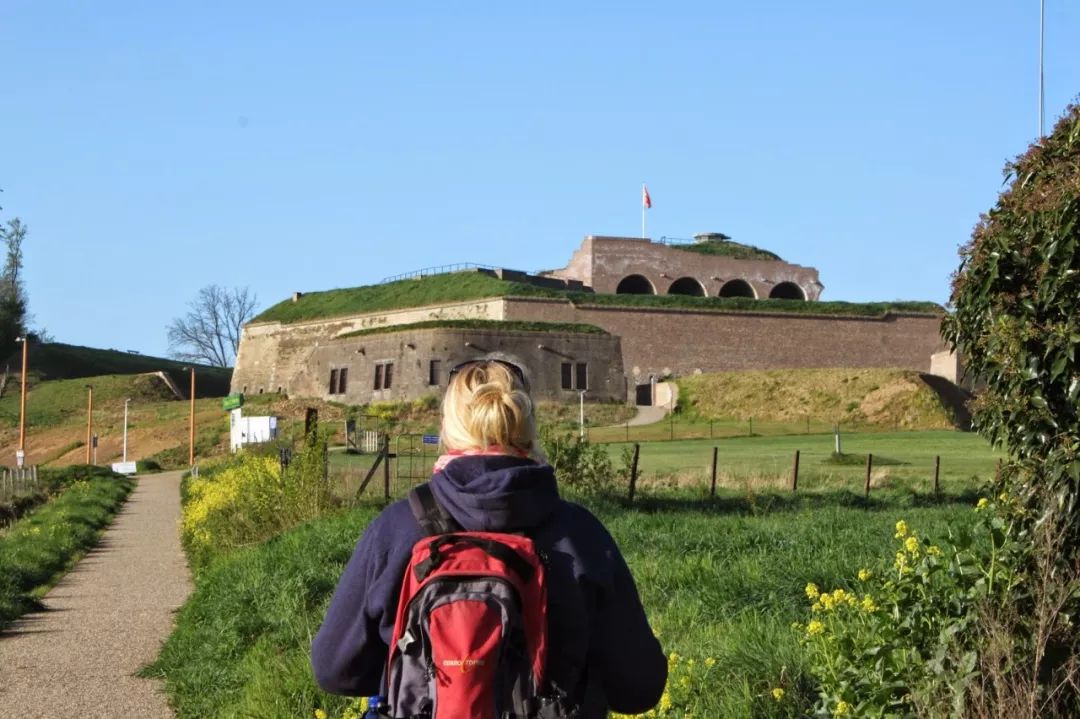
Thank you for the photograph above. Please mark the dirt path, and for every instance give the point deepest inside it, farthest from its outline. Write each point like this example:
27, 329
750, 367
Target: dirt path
104, 620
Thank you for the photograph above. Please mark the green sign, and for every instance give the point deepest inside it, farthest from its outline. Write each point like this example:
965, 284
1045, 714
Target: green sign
233, 401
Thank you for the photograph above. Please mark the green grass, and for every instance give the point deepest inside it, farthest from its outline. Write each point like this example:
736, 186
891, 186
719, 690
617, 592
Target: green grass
37, 549
720, 579
55, 360
503, 326
53, 402
728, 248
462, 286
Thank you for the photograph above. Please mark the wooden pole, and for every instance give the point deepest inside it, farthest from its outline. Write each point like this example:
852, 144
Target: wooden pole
937, 474
712, 491
22, 401
633, 471
89, 420
191, 430
795, 473
869, 468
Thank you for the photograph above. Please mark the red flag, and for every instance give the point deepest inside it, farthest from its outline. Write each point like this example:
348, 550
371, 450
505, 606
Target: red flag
646, 201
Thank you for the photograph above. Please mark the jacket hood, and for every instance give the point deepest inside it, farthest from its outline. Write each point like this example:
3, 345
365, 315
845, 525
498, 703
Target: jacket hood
496, 493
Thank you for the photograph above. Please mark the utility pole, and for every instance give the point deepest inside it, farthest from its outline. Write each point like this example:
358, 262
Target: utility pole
126, 402
191, 434
89, 421
20, 456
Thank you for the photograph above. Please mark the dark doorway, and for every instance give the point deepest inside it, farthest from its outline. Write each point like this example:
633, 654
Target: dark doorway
643, 395
686, 286
737, 288
635, 285
787, 291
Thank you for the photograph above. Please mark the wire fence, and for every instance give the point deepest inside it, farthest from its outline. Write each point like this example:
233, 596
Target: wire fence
18, 481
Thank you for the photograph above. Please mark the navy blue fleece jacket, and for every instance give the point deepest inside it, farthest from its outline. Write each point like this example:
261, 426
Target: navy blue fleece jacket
601, 648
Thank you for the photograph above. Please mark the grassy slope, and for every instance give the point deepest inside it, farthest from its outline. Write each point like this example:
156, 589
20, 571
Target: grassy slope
53, 402
464, 286
722, 580
41, 546
62, 361
511, 326
852, 397
728, 248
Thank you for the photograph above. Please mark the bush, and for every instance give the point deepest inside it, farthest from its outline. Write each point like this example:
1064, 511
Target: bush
578, 463
248, 500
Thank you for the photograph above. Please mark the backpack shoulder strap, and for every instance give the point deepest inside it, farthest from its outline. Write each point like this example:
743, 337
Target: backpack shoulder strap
430, 515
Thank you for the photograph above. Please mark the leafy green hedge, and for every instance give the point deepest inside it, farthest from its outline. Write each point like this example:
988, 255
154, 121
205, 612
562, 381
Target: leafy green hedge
41, 546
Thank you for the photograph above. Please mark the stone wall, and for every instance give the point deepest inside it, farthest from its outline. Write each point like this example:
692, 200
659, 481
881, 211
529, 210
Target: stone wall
678, 341
410, 353
603, 262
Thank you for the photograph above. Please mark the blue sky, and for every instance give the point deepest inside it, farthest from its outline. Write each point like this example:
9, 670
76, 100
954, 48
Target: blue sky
154, 148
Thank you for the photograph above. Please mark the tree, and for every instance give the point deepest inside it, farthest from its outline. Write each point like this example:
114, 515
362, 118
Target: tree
210, 331
12, 293
1016, 322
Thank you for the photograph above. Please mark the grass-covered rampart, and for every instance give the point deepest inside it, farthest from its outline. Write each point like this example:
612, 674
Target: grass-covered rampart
464, 286
502, 326
38, 548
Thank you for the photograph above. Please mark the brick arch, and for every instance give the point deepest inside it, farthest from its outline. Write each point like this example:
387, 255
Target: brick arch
737, 288
787, 291
687, 286
635, 285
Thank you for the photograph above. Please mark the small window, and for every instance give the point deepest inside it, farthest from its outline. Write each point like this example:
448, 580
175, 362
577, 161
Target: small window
333, 381
567, 375
378, 376
435, 372
581, 378
342, 380
388, 375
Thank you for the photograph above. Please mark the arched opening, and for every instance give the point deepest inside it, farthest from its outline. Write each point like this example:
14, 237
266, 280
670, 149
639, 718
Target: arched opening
737, 288
635, 285
686, 286
787, 291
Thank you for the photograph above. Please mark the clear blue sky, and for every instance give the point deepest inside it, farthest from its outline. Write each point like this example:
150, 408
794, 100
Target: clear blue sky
154, 148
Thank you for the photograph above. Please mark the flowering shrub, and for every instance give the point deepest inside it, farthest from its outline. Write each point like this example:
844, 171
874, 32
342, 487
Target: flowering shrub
248, 500
902, 641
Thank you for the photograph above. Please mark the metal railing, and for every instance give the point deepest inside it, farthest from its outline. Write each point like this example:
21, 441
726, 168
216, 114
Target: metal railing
439, 270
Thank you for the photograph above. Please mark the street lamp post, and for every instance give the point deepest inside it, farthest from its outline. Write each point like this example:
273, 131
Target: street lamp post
191, 431
89, 420
581, 413
20, 456
126, 402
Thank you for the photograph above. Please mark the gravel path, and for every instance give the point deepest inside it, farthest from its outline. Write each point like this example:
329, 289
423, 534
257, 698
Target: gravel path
104, 620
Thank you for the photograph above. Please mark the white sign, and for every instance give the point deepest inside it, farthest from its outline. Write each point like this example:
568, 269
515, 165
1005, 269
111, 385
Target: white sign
123, 467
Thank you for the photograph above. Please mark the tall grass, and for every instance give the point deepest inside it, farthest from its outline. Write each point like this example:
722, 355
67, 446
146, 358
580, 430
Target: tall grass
38, 548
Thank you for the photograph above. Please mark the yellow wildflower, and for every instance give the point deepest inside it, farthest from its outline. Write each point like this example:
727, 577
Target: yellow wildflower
1003, 497
864, 574
934, 550
842, 709
812, 591
711, 661
983, 504
665, 702
815, 627
901, 529
777, 693
912, 545
320, 714
827, 601
868, 605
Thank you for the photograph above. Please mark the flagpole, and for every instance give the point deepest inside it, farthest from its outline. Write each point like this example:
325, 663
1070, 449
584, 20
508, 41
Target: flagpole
643, 210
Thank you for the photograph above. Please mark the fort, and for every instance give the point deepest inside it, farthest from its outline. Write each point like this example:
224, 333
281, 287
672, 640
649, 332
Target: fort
623, 314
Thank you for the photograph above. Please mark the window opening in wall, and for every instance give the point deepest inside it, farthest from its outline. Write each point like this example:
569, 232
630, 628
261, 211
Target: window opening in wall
582, 376
388, 375
342, 380
333, 381
567, 375
575, 376
435, 372
378, 376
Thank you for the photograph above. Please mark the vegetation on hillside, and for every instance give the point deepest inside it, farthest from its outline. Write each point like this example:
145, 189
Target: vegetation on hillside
40, 547
464, 286
890, 398
500, 325
53, 403
728, 248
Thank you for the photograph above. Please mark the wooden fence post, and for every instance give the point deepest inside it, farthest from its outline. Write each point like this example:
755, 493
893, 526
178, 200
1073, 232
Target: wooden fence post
712, 491
386, 467
795, 473
869, 468
633, 472
937, 474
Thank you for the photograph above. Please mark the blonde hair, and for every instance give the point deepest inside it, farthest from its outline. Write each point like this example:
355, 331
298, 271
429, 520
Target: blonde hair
486, 405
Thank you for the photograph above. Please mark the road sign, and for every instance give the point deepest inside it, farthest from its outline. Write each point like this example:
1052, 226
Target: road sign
233, 401
431, 439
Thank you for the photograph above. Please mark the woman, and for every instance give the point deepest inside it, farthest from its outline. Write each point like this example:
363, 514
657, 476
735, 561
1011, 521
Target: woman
602, 652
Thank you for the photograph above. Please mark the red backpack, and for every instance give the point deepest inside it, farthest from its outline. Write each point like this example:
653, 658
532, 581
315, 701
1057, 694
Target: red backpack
470, 636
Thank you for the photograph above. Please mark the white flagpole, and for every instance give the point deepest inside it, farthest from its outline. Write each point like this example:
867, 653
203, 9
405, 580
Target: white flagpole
643, 210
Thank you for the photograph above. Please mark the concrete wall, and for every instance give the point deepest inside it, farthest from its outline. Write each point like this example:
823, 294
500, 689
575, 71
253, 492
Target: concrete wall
603, 262
540, 354
678, 341
271, 353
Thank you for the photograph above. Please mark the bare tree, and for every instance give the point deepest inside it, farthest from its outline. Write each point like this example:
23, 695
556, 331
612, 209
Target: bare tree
210, 331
